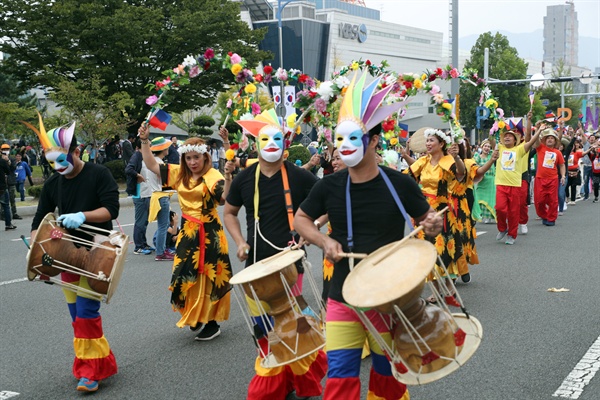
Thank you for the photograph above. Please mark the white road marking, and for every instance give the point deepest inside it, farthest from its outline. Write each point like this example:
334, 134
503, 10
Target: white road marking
573, 385
5, 394
481, 233
8, 283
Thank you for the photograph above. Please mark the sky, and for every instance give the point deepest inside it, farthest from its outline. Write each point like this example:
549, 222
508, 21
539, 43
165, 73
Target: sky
479, 16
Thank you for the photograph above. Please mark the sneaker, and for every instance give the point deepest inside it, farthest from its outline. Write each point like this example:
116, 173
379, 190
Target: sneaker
509, 240
17, 216
595, 200
572, 203
147, 247
561, 213
164, 257
9, 227
142, 251
87, 385
196, 328
524, 229
466, 278
550, 223
501, 235
209, 332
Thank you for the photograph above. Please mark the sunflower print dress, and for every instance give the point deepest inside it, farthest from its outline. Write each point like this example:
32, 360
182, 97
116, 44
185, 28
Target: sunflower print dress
434, 182
201, 267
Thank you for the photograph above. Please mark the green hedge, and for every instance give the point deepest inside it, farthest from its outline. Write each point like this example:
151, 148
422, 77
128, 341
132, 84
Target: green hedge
298, 152
117, 169
35, 191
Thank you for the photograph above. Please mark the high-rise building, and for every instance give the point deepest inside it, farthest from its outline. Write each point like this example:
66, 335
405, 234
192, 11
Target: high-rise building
561, 34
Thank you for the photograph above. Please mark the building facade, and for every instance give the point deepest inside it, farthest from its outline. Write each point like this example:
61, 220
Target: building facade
561, 34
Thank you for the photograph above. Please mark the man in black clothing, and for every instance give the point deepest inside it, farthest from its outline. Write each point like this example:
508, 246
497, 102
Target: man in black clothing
272, 222
128, 148
83, 193
4, 197
173, 155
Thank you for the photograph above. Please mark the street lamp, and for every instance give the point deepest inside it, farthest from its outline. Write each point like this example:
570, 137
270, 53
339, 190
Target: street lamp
281, 107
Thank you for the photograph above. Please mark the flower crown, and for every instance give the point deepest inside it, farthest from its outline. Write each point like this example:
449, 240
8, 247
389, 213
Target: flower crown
198, 148
441, 134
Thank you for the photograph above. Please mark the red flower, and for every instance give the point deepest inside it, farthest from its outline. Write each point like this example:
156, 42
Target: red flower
403, 93
432, 77
388, 125
438, 71
229, 53
268, 70
302, 78
159, 84
383, 85
368, 62
407, 84
206, 65
234, 146
312, 94
258, 78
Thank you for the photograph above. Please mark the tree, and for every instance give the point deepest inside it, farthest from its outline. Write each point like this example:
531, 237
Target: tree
99, 115
126, 43
551, 92
12, 91
504, 64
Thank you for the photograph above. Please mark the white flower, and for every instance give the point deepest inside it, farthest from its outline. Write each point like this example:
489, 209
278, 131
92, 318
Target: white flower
438, 98
325, 90
441, 134
390, 80
189, 61
246, 117
341, 82
198, 148
390, 157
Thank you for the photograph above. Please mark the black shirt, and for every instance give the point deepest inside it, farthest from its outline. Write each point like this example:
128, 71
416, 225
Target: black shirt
92, 188
272, 213
376, 219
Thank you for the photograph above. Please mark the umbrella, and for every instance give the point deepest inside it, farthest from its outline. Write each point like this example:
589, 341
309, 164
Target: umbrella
216, 137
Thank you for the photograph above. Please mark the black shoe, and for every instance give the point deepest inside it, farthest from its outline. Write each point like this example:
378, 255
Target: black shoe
9, 227
466, 278
209, 332
292, 396
197, 327
17, 216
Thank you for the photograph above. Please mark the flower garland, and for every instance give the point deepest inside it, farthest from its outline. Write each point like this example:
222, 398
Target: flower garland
186, 148
446, 137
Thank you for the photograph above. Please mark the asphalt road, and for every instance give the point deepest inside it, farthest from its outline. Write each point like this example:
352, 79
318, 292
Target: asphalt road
533, 338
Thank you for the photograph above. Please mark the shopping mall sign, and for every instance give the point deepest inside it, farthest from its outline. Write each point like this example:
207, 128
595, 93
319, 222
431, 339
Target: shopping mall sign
353, 32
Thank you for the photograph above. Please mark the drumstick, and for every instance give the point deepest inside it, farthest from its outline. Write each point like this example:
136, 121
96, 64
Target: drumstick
398, 244
25, 241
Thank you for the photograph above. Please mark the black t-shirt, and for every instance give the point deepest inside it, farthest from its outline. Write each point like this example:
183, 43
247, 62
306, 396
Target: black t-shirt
92, 188
272, 213
376, 218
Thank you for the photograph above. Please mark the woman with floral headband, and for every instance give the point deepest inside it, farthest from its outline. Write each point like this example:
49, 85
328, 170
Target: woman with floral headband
437, 173
201, 270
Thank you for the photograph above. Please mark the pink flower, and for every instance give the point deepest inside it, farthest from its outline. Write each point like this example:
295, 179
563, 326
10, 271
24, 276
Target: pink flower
435, 89
320, 105
235, 58
194, 71
151, 100
500, 112
229, 103
327, 134
209, 54
454, 73
244, 143
281, 74
255, 108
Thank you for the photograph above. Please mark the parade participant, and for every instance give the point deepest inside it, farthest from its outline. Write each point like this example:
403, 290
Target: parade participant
83, 193
486, 188
594, 155
263, 188
574, 171
565, 146
437, 173
546, 186
201, 269
377, 196
588, 140
508, 182
525, 178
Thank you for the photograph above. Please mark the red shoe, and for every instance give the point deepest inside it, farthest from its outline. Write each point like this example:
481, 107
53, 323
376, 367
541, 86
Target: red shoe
164, 257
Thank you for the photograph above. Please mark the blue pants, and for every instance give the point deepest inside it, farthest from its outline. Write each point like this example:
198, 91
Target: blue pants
585, 185
142, 206
5, 202
163, 224
561, 195
21, 189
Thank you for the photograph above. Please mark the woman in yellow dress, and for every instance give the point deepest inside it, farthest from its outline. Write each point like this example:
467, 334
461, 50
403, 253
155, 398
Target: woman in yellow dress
201, 267
436, 172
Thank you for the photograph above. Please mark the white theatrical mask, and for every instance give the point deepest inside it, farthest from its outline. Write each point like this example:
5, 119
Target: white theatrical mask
270, 144
61, 162
348, 139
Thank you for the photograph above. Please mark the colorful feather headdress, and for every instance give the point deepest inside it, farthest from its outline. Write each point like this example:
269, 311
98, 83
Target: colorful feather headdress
262, 120
364, 105
57, 139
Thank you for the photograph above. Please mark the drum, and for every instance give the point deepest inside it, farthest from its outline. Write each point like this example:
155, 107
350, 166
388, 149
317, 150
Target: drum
418, 140
295, 331
99, 259
429, 342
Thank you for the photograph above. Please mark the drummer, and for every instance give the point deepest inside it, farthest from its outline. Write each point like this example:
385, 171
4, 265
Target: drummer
84, 193
376, 220
267, 184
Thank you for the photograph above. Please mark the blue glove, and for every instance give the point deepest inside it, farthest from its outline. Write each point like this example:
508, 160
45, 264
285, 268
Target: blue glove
72, 221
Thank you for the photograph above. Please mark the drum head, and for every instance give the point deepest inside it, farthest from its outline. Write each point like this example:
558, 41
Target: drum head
267, 266
35, 253
389, 273
417, 140
115, 275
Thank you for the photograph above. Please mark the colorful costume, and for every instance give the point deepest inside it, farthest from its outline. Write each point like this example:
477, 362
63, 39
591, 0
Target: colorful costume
508, 187
436, 182
485, 190
546, 185
201, 268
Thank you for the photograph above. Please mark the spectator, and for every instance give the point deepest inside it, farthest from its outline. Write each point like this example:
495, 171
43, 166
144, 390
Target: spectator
22, 171
173, 155
11, 181
4, 200
128, 148
214, 154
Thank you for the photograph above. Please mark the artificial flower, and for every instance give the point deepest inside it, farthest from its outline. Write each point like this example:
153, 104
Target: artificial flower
424, 77
320, 105
229, 103
194, 71
250, 88
268, 70
189, 61
179, 70
229, 154
258, 78
291, 121
354, 66
281, 74
447, 106
454, 73
255, 108
500, 112
244, 143
235, 113
325, 90
491, 103
246, 117
435, 89
418, 84
501, 124
235, 58
341, 82
151, 100
236, 69
209, 54
438, 98
394, 141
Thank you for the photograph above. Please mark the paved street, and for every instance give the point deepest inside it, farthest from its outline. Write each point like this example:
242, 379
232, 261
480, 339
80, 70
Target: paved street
533, 339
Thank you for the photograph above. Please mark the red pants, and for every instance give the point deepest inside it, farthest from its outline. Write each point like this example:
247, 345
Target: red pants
508, 203
524, 210
546, 198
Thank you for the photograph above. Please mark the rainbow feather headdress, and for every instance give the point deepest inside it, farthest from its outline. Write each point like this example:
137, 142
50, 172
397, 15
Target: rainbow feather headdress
57, 139
364, 105
267, 118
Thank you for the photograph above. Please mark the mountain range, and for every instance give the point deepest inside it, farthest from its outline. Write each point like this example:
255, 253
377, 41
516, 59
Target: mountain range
531, 45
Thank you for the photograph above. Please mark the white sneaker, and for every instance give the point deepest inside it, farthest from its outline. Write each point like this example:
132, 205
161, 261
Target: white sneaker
524, 229
501, 235
510, 240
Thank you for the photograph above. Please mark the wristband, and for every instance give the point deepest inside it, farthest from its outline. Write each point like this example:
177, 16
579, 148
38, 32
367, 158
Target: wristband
317, 224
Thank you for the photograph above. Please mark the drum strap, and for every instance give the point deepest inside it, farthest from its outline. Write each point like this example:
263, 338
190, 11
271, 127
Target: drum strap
392, 190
